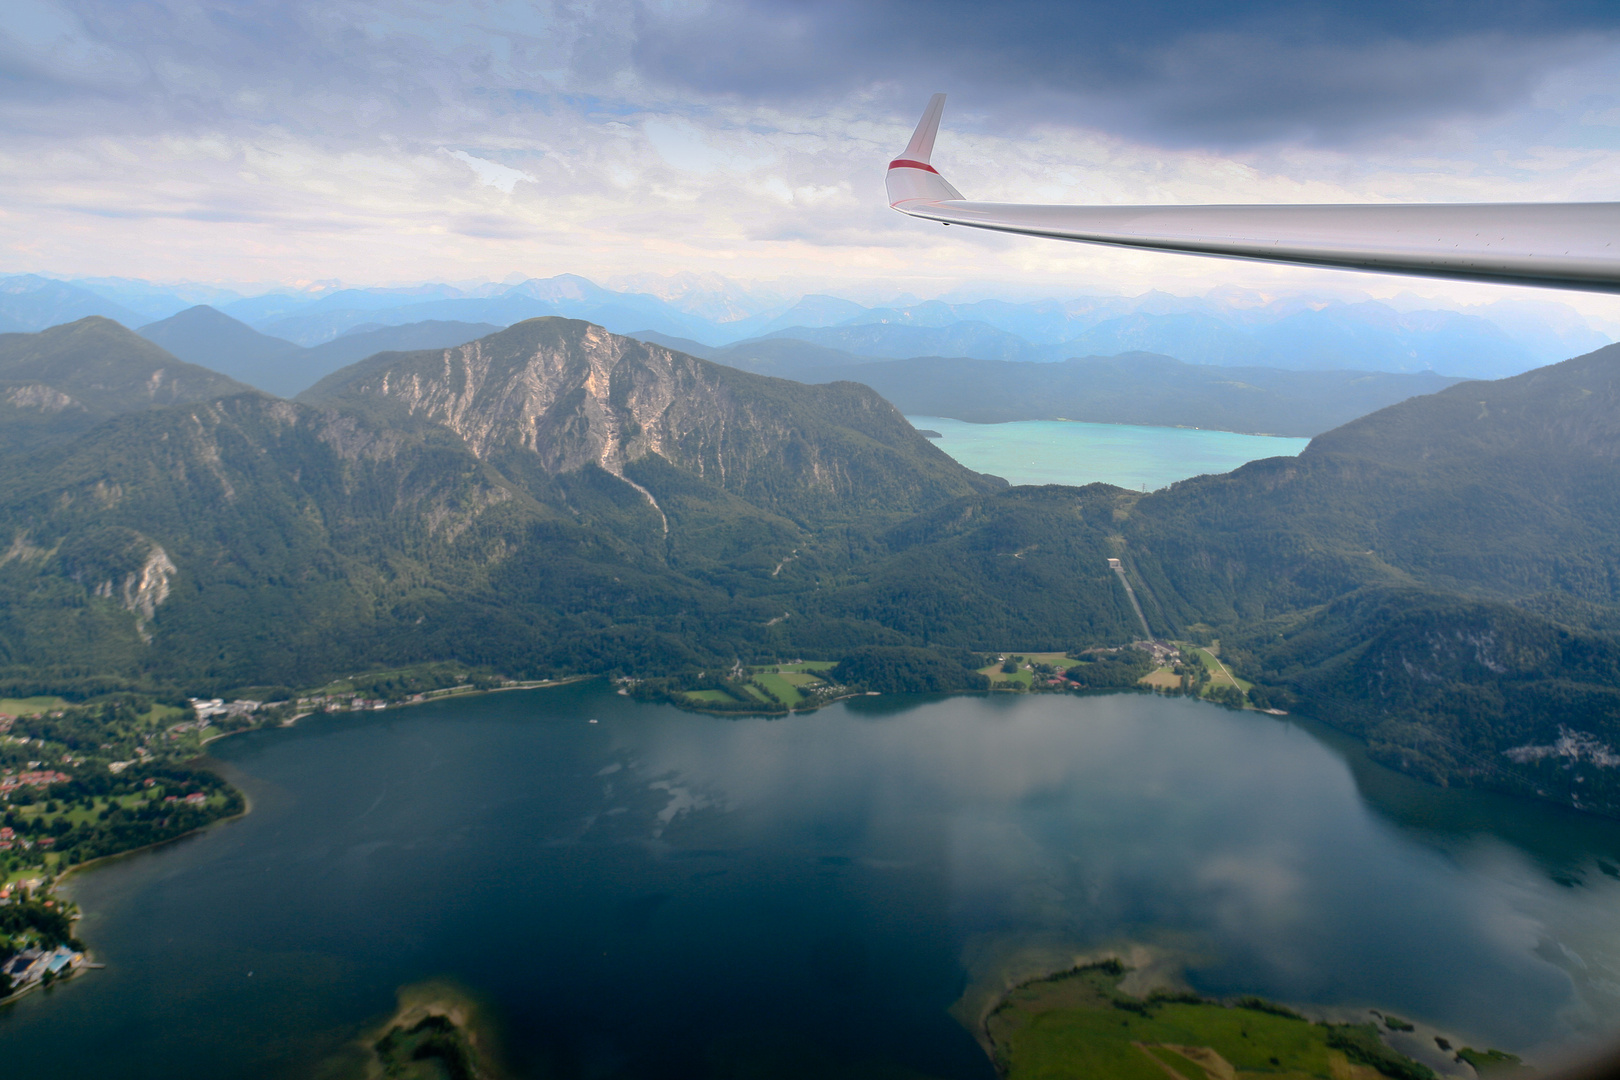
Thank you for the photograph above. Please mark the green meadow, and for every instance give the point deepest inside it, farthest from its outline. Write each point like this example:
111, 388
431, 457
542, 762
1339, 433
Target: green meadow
1080, 1024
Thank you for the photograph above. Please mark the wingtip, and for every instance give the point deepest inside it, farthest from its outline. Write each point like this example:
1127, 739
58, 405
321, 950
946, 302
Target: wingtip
921, 146
911, 176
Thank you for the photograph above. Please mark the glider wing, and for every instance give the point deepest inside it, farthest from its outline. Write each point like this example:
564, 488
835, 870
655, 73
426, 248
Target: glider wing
1555, 245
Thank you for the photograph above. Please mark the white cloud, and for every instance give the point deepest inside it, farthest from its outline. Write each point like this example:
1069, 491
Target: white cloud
318, 156
492, 173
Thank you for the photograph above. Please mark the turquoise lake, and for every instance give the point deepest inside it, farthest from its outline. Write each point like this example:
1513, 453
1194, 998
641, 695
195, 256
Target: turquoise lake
667, 896
1071, 452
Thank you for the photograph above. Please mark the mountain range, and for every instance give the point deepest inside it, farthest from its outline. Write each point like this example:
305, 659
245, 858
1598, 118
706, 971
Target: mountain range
1225, 327
205, 335
407, 510
1438, 577
1131, 388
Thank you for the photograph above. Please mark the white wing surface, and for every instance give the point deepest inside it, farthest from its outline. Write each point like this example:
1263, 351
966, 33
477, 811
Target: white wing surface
1555, 245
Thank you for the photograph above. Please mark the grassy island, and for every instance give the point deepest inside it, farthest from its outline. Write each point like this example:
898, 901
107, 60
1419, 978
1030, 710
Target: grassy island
1080, 1023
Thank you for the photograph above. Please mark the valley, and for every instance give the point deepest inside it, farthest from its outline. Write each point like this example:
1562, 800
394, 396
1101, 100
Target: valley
549, 540
552, 503
555, 500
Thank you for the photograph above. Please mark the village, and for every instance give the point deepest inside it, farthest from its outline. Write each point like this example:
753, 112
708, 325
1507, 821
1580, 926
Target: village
63, 805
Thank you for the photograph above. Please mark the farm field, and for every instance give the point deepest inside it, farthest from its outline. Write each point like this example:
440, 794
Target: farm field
1161, 678
1219, 674
778, 687
31, 706
775, 686
1024, 678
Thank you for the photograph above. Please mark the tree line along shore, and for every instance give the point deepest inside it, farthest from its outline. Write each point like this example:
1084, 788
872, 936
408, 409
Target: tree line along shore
89, 780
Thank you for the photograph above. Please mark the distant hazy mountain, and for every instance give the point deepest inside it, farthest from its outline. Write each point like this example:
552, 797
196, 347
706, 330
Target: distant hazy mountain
67, 379
1369, 336
29, 303
1138, 388
363, 341
680, 344
202, 335
260, 311
213, 339
709, 296
1131, 388
1226, 326
784, 358
1300, 331
976, 339
566, 295
153, 302
812, 311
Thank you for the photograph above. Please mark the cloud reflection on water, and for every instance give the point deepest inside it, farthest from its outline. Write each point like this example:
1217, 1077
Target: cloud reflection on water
1239, 840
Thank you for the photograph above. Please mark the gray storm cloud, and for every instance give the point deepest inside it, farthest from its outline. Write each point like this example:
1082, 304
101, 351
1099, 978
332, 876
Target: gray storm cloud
407, 137
1173, 73
1169, 72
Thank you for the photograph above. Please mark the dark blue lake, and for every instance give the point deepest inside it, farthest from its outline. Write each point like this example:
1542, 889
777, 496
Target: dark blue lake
667, 895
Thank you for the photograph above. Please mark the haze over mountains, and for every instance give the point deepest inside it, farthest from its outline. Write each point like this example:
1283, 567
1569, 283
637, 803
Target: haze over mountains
205, 335
1228, 360
1131, 388
1134, 388
1225, 327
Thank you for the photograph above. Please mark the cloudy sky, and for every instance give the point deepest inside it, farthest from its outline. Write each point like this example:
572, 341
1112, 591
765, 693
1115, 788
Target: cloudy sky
407, 140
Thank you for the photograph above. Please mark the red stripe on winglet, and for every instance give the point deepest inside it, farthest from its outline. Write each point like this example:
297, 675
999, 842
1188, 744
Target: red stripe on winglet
905, 163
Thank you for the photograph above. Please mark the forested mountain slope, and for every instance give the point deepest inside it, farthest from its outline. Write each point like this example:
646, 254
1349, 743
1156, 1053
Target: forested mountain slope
1506, 489
65, 380
1438, 577
251, 541
560, 500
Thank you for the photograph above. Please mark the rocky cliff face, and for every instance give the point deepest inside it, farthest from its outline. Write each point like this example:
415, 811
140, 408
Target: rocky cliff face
574, 395
573, 399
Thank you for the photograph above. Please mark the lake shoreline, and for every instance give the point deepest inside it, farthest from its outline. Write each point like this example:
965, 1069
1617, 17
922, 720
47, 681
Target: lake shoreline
1106, 982
203, 761
1075, 453
663, 886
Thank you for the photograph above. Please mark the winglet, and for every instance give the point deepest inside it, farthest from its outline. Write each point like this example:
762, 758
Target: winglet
911, 176
921, 146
